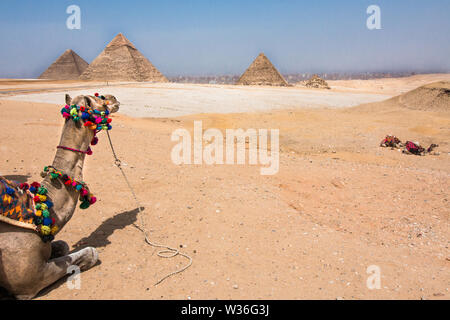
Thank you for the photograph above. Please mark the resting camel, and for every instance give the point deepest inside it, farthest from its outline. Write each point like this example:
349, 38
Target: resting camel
27, 263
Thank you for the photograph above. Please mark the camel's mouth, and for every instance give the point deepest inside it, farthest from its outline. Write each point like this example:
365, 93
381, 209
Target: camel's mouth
113, 103
114, 107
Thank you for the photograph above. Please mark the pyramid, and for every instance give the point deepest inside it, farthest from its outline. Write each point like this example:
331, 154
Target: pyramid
317, 82
262, 72
120, 60
69, 66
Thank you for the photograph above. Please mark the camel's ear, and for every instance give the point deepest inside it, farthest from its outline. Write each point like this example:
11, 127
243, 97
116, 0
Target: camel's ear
90, 102
68, 99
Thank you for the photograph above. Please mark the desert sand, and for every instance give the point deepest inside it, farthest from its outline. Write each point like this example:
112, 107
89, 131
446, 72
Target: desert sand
338, 205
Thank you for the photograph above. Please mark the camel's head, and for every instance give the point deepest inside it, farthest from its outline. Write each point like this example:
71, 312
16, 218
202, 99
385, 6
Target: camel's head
108, 103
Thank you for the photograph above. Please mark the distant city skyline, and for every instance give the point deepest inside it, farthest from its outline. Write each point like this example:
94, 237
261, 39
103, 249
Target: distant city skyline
207, 37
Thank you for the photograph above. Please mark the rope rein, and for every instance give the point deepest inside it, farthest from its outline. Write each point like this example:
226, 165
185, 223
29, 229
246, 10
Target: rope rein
168, 252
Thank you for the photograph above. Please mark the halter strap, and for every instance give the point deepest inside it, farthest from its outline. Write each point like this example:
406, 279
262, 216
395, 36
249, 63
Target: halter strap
88, 151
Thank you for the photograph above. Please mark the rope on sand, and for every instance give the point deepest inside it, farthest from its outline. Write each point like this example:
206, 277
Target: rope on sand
168, 252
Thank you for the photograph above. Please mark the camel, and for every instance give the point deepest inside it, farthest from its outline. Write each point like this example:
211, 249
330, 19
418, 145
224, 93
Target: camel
27, 263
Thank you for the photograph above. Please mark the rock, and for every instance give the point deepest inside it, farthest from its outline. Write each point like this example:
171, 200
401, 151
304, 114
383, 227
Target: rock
235, 286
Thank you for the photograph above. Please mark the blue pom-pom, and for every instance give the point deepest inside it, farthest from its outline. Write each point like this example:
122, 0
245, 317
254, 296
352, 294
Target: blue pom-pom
79, 187
85, 116
47, 221
48, 203
106, 112
9, 190
109, 127
32, 189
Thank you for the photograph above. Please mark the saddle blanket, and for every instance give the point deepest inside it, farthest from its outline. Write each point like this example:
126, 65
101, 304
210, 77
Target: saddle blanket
15, 204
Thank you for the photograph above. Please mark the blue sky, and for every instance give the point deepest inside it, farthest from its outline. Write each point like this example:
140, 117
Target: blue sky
207, 37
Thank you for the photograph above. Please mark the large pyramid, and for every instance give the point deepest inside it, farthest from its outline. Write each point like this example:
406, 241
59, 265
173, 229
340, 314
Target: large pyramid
122, 61
262, 72
69, 66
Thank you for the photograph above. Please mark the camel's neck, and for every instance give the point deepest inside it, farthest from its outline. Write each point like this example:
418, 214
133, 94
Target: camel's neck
64, 197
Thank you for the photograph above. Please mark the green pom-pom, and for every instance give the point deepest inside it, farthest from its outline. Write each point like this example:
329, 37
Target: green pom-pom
42, 190
84, 205
46, 169
38, 206
54, 175
45, 214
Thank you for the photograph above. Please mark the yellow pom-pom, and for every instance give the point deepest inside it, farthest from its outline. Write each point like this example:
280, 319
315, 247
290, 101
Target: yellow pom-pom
44, 206
38, 213
45, 230
54, 230
42, 197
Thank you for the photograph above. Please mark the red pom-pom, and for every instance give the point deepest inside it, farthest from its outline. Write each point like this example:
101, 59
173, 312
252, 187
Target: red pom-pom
68, 182
89, 152
36, 184
82, 108
24, 186
92, 200
96, 94
37, 199
108, 120
88, 124
94, 141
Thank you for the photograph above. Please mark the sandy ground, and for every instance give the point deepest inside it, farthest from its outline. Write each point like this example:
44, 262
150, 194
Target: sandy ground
394, 86
338, 205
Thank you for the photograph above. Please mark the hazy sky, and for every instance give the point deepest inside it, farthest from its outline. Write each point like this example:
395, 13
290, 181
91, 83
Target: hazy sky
206, 37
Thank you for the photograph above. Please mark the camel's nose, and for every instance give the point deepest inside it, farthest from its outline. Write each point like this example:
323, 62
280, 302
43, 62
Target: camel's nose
115, 107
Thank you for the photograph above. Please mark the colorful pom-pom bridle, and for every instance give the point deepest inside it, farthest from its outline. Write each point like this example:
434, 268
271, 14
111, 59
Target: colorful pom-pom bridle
93, 119
86, 197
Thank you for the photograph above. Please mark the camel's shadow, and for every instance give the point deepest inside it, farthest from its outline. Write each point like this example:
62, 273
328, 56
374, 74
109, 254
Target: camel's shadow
17, 178
98, 238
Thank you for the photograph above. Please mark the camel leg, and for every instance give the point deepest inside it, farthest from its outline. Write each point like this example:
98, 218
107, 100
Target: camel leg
57, 268
59, 249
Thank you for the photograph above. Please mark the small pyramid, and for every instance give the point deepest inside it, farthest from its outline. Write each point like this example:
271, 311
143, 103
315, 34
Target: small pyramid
69, 66
262, 72
120, 60
317, 82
